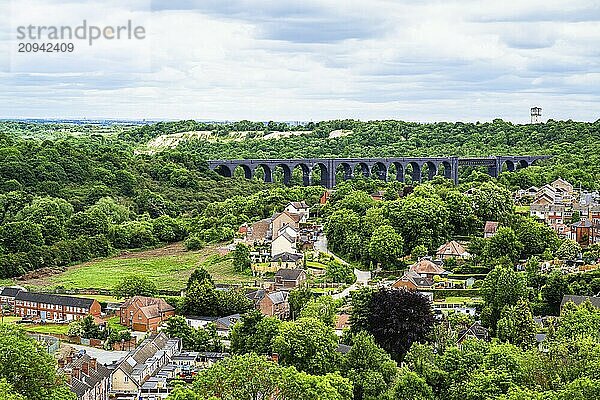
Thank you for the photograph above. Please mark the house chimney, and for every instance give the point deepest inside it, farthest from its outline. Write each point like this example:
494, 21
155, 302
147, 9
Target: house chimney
61, 363
93, 364
85, 368
275, 357
75, 372
69, 359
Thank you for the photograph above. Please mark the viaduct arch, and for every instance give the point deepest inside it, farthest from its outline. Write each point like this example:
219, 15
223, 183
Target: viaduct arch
378, 167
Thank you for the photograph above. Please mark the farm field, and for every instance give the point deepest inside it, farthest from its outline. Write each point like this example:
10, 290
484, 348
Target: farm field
169, 267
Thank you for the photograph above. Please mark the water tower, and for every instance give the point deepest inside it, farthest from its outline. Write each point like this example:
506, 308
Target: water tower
536, 114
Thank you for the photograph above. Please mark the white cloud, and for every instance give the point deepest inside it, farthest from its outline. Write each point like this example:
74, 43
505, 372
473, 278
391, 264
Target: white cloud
309, 60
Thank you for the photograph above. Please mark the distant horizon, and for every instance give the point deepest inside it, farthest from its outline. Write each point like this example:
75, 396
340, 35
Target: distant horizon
290, 122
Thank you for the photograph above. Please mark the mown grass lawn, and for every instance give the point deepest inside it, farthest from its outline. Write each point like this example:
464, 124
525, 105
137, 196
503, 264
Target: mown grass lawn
168, 271
113, 323
460, 300
315, 264
10, 319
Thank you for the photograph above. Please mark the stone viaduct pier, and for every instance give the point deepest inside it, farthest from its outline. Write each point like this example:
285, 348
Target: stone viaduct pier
378, 167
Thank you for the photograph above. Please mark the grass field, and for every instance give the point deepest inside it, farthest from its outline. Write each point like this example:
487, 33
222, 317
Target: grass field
99, 297
49, 329
169, 267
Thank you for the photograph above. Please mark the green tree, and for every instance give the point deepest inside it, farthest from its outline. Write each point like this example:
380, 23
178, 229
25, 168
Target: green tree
553, 291
568, 250
340, 228
461, 214
357, 201
20, 236
578, 321
418, 252
307, 344
298, 298
386, 246
194, 242
134, 285
233, 301
200, 275
420, 220
501, 287
168, 229
492, 202
323, 308
503, 244
254, 333
411, 386
536, 237
201, 298
253, 377
241, 257
369, 367
86, 328
516, 325
7, 391
28, 368
339, 272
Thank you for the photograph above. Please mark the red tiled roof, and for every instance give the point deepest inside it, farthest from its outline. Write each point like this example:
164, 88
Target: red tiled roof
452, 248
490, 227
425, 266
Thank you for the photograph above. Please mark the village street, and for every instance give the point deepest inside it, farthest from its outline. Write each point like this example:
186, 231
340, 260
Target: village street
362, 277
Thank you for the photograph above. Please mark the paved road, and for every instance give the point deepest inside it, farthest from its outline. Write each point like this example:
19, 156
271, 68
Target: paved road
362, 277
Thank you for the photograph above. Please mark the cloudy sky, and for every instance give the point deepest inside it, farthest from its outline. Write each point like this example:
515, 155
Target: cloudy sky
309, 60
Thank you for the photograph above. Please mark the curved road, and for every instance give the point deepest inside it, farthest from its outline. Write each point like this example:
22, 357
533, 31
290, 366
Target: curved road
362, 277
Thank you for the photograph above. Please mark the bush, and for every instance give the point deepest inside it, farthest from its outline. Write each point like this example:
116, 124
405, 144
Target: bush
133, 234
135, 286
194, 242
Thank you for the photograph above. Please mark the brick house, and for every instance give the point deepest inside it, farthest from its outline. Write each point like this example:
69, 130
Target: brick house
413, 281
132, 371
289, 278
144, 313
490, 229
86, 377
52, 307
273, 304
426, 268
283, 219
7, 296
287, 260
300, 208
452, 249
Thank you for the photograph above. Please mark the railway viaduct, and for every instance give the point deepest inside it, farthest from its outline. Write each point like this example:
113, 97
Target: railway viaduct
378, 167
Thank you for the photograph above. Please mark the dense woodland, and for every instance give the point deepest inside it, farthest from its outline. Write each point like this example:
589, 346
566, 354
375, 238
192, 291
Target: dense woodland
72, 193
574, 144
